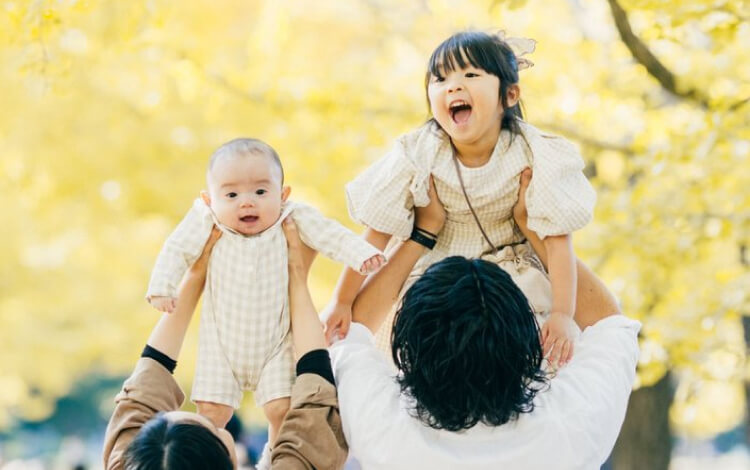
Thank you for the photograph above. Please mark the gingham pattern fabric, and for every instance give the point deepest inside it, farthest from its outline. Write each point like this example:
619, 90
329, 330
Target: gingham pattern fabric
244, 341
560, 199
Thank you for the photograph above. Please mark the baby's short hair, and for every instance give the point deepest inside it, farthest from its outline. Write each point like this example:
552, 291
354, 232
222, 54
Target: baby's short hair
245, 146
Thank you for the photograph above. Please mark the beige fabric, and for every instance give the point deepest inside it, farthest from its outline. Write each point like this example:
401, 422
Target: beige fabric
310, 436
243, 338
149, 390
559, 199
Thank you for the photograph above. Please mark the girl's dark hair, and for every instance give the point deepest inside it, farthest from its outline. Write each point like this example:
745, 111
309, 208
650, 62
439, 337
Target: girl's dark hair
467, 346
165, 445
484, 51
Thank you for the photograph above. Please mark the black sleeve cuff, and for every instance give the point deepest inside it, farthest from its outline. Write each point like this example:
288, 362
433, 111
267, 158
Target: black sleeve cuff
160, 357
317, 362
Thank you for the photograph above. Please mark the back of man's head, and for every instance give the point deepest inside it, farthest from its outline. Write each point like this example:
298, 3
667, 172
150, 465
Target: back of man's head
467, 345
165, 445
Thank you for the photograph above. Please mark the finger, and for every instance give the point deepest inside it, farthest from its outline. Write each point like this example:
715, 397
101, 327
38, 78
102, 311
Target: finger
290, 231
213, 237
549, 344
565, 353
328, 333
554, 355
331, 326
570, 352
344, 327
544, 333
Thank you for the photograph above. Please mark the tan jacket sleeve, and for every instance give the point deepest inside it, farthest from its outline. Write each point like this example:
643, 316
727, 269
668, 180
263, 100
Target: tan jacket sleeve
149, 390
311, 436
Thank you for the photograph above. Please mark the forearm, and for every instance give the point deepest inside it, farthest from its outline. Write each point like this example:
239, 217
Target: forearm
381, 290
169, 333
351, 281
562, 271
593, 300
307, 331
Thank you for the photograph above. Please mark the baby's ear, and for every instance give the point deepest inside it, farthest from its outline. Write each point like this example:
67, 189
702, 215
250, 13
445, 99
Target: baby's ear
206, 198
285, 190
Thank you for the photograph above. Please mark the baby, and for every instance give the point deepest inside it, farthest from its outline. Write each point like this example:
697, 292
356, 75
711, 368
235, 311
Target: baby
244, 341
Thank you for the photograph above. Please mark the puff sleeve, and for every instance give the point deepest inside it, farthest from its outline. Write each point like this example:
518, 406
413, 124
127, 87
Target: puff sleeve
384, 195
560, 199
180, 250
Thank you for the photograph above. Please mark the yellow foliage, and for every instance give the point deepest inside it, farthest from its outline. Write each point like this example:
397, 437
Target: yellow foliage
112, 108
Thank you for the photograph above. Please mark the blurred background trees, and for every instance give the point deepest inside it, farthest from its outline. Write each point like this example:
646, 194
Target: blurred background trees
110, 110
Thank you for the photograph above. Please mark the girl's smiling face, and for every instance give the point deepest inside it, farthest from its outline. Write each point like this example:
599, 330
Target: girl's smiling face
465, 101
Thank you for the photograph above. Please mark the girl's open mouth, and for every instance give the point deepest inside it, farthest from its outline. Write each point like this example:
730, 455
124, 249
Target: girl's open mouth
249, 218
460, 113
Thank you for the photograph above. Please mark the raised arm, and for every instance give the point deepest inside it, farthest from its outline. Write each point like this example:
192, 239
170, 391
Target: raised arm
311, 434
180, 250
382, 289
169, 333
307, 331
593, 300
338, 313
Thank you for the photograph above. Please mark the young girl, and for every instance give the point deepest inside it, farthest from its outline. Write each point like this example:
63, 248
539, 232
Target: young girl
475, 146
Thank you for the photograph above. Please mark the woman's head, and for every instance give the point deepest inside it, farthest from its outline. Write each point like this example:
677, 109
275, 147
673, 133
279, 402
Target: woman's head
467, 346
472, 86
180, 440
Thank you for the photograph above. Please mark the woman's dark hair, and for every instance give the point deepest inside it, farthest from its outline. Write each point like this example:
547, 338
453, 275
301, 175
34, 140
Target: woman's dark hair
467, 346
165, 445
484, 51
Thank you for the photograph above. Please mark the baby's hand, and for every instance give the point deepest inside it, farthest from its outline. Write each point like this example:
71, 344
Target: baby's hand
163, 303
372, 264
558, 334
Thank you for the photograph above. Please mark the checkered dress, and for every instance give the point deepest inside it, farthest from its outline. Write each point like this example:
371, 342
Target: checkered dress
559, 199
244, 341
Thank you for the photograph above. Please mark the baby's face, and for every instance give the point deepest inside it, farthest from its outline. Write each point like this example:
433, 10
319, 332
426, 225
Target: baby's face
245, 192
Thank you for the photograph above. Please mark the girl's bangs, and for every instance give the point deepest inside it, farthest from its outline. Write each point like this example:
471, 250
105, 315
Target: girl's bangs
453, 55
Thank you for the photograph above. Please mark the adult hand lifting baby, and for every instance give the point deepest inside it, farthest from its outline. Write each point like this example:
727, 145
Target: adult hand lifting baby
166, 304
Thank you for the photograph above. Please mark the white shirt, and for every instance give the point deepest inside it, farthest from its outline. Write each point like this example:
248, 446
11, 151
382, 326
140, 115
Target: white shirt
574, 424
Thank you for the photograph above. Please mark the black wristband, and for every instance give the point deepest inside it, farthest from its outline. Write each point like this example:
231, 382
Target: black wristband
426, 232
317, 361
159, 357
422, 239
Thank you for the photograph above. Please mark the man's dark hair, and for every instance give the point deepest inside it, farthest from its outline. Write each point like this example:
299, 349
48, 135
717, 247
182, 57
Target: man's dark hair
466, 344
165, 445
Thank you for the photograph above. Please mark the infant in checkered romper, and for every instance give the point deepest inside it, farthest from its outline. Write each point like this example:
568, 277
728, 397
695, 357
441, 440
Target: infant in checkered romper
244, 338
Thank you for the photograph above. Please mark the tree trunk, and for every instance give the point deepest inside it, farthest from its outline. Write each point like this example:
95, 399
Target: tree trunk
645, 441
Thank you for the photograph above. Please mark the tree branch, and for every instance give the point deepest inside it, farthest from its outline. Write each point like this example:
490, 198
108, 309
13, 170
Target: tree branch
643, 55
584, 139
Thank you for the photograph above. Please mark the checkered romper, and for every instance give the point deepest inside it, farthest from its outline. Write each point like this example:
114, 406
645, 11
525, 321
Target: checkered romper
244, 340
559, 199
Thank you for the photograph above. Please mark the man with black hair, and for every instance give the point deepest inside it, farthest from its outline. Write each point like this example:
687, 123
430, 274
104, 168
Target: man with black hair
469, 390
